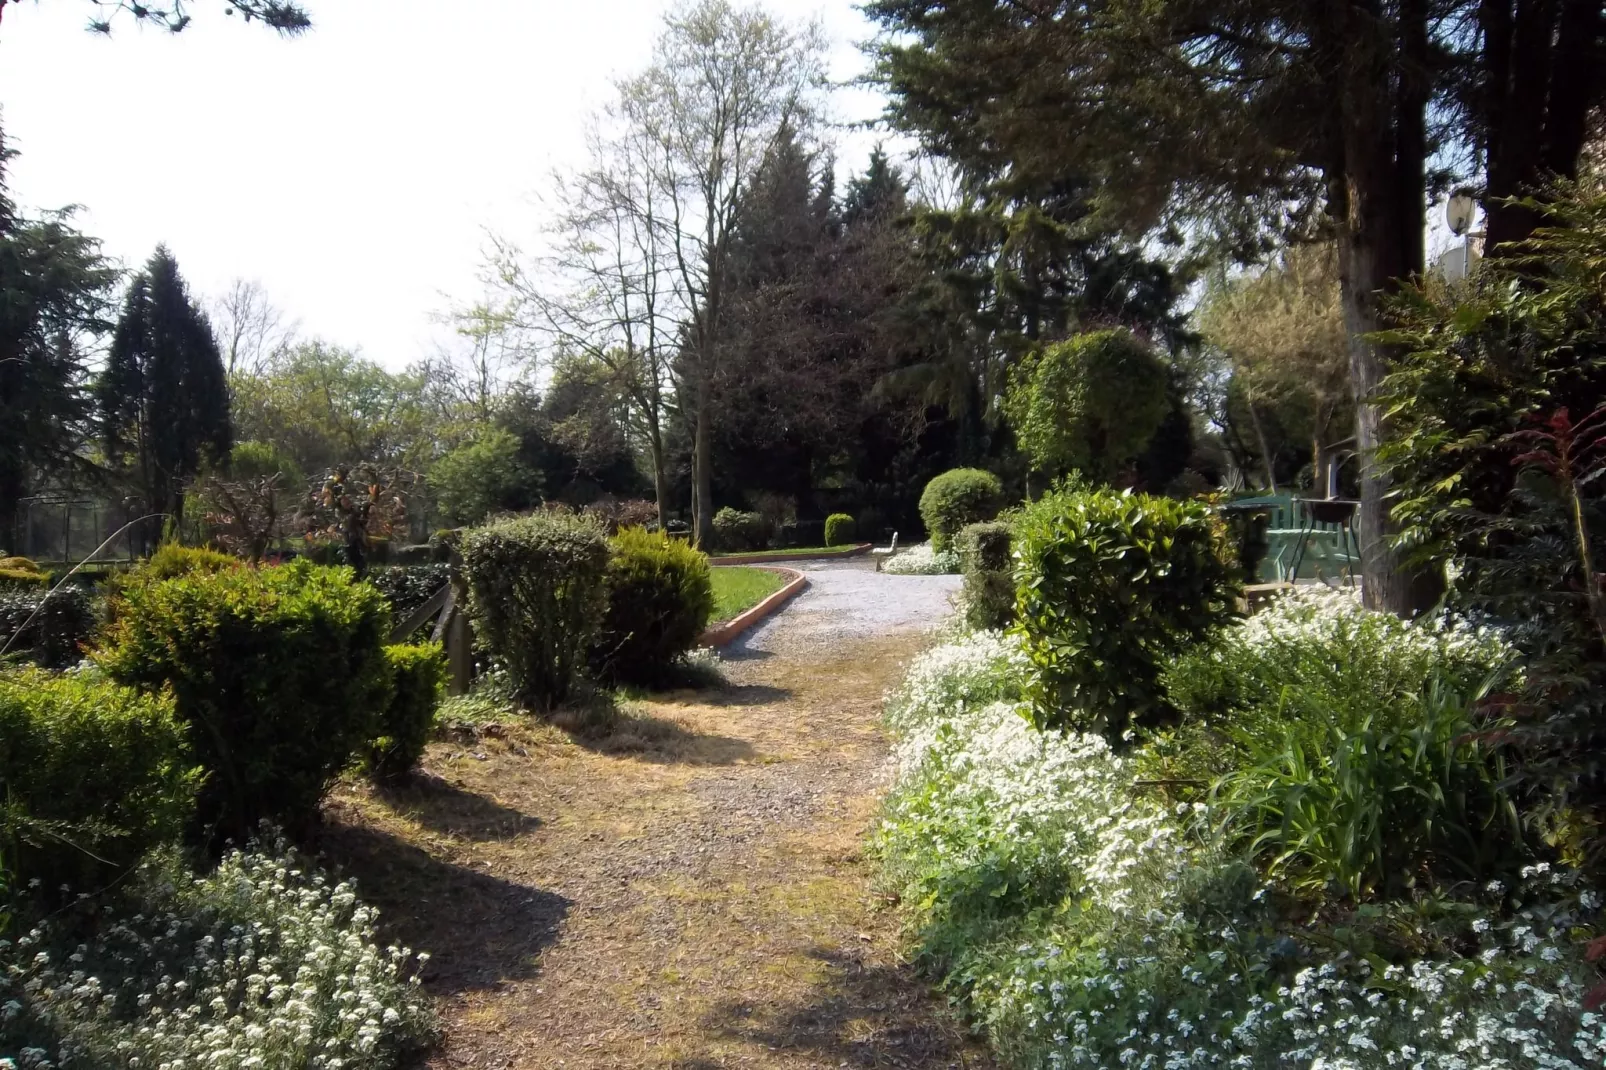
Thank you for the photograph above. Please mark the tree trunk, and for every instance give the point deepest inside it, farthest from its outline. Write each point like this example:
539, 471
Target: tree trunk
1379, 245
702, 476
660, 474
1265, 447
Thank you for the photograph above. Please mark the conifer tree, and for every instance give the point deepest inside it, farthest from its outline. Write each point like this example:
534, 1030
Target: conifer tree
163, 396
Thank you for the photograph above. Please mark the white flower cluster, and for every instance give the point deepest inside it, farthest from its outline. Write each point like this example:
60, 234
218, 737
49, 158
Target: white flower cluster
1089, 927
950, 680
922, 560
261, 964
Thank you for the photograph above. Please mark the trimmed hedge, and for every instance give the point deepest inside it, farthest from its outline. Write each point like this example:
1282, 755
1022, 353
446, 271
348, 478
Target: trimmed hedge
736, 531
958, 497
1112, 587
660, 599
537, 590
92, 775
839, 530
279, 673
989, 591
418, 677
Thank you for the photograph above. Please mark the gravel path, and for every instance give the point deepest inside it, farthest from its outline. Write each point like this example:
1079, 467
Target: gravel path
683, 888
847, 601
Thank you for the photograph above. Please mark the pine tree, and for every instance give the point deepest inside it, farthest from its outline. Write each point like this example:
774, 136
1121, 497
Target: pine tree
163, 396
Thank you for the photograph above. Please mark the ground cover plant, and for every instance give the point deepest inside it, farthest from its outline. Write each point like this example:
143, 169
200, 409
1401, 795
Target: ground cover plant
1085, 919
263, 962
737, 589
923, 560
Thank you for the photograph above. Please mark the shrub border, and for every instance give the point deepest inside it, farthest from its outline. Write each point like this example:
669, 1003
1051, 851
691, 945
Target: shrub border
783, 555
722, 634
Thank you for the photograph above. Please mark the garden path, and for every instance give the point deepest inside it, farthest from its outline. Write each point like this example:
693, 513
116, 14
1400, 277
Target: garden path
685, 887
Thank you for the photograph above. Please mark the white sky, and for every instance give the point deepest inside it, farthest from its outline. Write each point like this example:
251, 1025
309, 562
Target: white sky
353, 170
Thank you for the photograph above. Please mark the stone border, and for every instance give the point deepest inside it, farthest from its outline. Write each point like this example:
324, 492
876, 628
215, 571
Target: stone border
723, 634
781, 556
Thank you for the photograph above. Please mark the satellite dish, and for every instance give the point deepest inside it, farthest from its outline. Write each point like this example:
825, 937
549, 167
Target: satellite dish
1459, 211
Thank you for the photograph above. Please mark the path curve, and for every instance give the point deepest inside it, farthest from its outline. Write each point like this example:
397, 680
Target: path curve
687, 888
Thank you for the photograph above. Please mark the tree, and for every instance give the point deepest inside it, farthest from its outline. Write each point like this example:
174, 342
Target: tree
283, 15
163, 396
251, 330
250, 504
1283, 331
1259, 120
723, 85
1091, 404
483, 476
54, 288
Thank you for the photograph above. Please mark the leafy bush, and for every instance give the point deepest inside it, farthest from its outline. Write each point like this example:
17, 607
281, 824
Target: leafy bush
418, 677
1088, 404
172, 559
1111, 587
262, 963
54, 636
538, 591
482, 477
617, 515
839, 530
958, 497
660, 599
736, 531
989, 592
280, 674
92, 775
21, 572
407, 587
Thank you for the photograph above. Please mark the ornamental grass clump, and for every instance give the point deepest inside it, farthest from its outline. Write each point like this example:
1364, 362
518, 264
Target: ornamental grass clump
264, 963
538, 594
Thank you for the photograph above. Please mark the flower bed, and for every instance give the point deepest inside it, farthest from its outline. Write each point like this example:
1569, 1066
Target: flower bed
922, 560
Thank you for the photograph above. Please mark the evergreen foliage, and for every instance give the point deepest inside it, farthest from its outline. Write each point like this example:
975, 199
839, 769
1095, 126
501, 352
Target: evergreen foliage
660, 599
163, 396
418, 678
959, 497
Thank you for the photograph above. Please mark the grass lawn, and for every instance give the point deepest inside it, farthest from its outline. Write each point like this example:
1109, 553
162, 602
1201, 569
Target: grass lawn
737, 589
807, 551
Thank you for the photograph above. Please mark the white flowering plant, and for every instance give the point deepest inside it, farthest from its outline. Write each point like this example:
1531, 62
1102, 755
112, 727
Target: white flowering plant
1085, 923
923, 560
263, 963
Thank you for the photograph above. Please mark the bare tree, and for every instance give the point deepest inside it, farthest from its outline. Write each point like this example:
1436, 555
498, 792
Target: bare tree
250, 329
493, 349
724, 84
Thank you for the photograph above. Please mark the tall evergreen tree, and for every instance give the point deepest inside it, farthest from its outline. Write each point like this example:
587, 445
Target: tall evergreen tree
163, 397
53, 295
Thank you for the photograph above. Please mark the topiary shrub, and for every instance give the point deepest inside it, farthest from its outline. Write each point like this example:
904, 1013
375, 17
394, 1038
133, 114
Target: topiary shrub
279, 673
55, 635
92, 775
660, 599
537, 587
1111, 587
958, 497
989, 591
417, 676
839, 530
736, 531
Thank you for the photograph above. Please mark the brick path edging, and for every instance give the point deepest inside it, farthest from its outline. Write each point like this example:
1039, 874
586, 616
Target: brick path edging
723, 634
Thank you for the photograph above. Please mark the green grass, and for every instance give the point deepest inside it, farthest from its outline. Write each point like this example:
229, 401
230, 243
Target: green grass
739, 589
807, 551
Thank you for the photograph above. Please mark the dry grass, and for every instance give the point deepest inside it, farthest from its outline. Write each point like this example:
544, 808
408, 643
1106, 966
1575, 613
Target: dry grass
679, 886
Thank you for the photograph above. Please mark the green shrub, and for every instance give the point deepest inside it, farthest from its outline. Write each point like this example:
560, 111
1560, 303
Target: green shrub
840, 530
1111, 587
989, 591
736, 531
172, 559
660, 598
280, 674
537, 586
92, 775
418, 677
54, 636
21, 572
958, 497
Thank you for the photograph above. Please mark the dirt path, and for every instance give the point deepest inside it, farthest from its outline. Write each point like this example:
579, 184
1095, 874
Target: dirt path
688, 890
